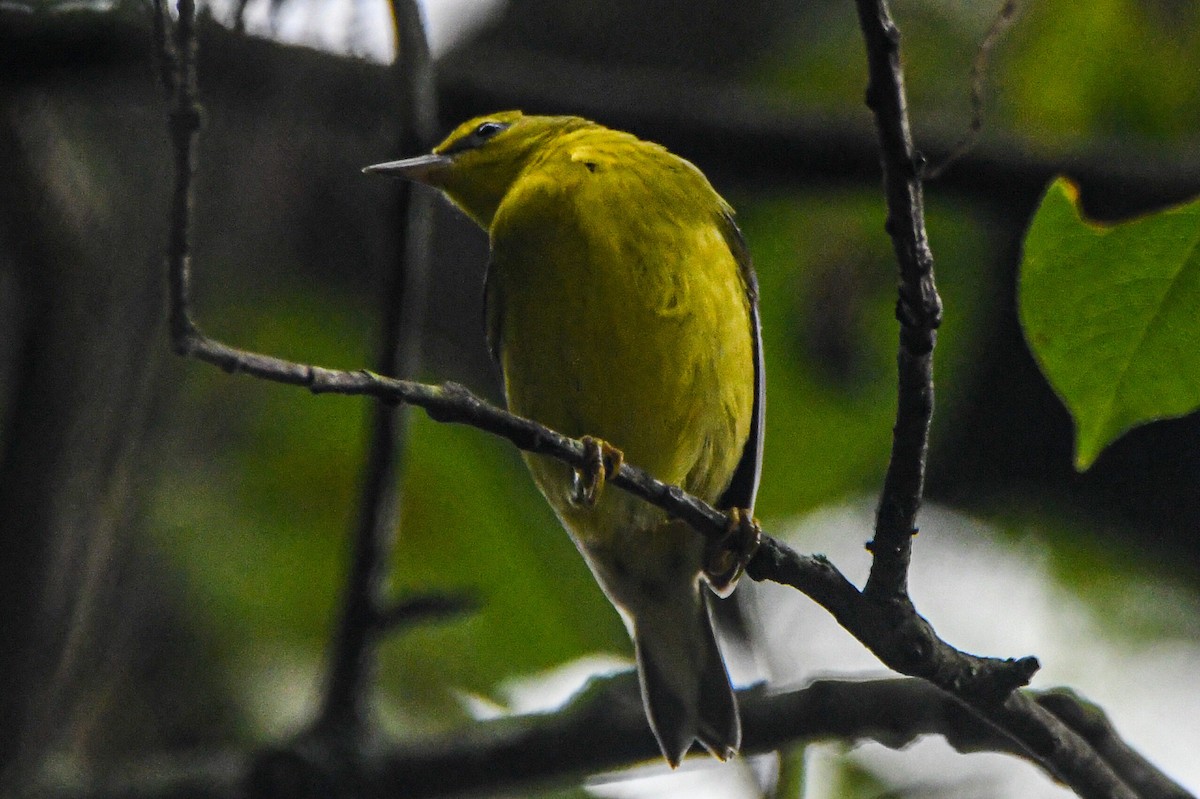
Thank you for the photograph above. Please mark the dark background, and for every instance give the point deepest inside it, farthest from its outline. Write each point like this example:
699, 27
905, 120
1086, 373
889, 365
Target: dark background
173, 538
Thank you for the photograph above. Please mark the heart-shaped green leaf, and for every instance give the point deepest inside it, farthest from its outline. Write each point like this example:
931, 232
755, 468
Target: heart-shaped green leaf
1112, 314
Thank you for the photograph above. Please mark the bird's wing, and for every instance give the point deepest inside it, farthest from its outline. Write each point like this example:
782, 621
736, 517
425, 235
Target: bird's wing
493, 320
526, 208
743, 487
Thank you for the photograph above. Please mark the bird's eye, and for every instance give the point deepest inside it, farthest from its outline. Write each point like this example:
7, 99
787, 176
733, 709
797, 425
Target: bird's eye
487, 130
477, 137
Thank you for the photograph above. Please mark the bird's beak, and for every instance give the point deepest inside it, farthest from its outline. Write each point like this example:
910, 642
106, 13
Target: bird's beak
421, 169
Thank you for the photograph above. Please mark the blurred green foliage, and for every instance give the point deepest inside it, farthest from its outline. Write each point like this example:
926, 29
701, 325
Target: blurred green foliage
1117, 68
827, 277
1122, 68
261, 527
474, 520
260, 496
255, 485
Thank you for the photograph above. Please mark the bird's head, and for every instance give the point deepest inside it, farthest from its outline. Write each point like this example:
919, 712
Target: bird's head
481, 158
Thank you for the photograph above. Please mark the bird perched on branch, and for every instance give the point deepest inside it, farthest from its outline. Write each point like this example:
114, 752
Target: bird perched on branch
622, 308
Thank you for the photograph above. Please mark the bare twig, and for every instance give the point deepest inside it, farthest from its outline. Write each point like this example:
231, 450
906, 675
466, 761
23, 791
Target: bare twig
1093, 724
184, 126
423, 608
919, 308
1004, 19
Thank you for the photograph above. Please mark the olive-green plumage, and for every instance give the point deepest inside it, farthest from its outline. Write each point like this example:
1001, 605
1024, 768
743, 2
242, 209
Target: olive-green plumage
621, 304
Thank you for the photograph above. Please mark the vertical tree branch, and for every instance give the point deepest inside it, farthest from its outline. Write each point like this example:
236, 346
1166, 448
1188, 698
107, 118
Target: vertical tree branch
919, 308
352, 655
184, 126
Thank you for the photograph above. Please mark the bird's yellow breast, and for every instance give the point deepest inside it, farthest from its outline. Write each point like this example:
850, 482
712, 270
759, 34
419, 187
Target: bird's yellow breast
620, 312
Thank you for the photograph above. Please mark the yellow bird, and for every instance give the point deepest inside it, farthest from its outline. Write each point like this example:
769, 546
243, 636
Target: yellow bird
622, 308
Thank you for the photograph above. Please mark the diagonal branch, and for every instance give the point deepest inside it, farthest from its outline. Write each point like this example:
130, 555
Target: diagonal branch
1093, 724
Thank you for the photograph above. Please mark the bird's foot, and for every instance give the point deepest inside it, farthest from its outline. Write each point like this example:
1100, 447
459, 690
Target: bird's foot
601, 461
725, 558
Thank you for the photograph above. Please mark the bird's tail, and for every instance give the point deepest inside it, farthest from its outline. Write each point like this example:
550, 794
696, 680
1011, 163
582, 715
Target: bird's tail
685, 686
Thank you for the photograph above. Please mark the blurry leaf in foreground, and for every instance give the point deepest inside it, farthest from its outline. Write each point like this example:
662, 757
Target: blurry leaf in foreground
1112, 314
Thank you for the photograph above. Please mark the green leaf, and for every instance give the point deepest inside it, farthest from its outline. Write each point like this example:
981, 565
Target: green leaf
1112, 314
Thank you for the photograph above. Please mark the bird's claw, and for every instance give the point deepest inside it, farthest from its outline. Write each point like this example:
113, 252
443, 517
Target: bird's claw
725, 558
601, 462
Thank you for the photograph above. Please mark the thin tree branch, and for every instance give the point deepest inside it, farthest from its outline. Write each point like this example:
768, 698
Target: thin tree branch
352, 656
903, 640
1091, 722
184, 126
602, 727
1001, 23
919, 308
424, 608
